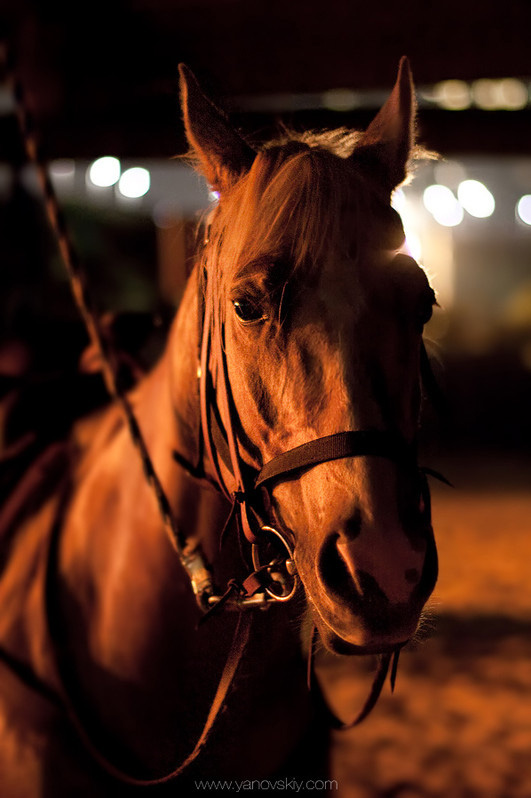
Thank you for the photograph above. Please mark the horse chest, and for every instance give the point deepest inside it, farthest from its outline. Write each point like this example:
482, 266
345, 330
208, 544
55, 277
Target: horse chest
267, 714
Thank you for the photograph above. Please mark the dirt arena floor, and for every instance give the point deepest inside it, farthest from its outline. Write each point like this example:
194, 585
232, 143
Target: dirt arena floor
459, 722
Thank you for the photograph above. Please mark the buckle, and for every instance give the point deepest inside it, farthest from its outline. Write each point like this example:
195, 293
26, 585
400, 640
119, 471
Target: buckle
269, 557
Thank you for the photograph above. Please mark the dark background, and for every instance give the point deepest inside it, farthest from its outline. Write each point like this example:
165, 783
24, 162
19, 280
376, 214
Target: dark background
103, 75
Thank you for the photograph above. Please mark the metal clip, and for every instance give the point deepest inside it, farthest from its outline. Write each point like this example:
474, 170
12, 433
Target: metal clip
259, 601
199, 575
284, 580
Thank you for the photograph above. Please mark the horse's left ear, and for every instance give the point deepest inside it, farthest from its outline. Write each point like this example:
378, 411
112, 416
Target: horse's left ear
387, 143
223, 154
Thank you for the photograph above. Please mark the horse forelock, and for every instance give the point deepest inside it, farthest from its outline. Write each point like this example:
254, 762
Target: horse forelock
301, 199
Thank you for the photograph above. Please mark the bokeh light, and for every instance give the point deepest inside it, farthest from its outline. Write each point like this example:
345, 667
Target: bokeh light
453, 95
341, 99
486, 94
475, 198
508, 94
134, 182
514, 94
104, 172
523, 209
441, 202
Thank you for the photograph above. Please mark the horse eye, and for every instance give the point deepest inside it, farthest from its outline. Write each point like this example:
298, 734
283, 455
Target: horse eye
248, 312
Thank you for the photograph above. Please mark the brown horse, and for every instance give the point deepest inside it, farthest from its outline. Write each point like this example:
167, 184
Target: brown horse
301, 326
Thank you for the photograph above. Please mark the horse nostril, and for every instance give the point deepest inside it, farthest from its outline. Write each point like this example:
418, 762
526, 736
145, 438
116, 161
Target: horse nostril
333, 570
352, 526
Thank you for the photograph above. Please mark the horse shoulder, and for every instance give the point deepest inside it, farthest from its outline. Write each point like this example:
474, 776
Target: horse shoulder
22, 623
39, 754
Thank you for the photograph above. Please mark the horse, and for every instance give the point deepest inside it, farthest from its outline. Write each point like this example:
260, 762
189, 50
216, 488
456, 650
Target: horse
281, 422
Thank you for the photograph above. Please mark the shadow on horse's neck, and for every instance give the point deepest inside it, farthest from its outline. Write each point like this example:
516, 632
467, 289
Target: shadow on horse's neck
124, 598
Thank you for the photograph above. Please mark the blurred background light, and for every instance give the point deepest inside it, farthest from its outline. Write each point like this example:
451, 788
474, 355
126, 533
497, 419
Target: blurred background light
413, 245
410, 221
441, 202
507, 94
62, 169
436, 195
449, 173
340, 99
164, 214
453, 95
486, 94
134, 182
398, 201
523, 209
104, 171
475, 198
514, 94
62, 173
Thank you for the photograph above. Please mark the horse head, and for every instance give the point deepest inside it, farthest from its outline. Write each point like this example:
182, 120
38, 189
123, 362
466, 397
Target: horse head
316, 329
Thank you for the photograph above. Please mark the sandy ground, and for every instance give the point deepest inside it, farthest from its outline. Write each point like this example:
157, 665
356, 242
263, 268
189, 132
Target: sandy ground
459, 722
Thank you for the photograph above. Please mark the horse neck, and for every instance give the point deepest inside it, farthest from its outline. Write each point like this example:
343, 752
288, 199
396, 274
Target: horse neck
139, 663
122, 579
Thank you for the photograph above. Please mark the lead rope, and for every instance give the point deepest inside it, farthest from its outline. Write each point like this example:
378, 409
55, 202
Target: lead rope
188, 556
99, 340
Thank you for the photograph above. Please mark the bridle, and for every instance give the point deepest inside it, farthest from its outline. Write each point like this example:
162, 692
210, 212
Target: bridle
219, 443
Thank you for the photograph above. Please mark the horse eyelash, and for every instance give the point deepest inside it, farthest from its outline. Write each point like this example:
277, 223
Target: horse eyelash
282, 294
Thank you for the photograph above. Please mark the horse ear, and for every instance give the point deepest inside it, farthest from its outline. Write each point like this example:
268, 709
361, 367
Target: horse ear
387, 143
223, 154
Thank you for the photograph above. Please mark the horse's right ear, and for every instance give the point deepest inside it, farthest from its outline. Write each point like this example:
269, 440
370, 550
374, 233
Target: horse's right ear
386, 146
222, 153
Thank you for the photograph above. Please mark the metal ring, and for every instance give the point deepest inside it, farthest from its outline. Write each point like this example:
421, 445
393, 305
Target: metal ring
257, 564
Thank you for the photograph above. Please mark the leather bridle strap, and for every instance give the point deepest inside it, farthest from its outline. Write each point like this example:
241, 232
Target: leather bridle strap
69, 696
289, 464
351, 443
322, 706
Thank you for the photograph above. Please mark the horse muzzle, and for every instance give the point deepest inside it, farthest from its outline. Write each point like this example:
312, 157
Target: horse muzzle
368, 603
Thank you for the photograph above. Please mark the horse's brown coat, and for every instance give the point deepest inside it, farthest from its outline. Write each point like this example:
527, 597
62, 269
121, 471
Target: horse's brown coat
304, 230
